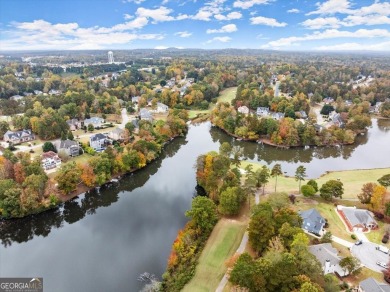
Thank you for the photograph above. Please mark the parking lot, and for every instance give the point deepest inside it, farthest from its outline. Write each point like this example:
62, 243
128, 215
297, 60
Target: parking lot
368, 255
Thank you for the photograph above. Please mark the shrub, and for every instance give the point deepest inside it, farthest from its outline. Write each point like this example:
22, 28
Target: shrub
308, 190
314, 184
353, 236
385, 238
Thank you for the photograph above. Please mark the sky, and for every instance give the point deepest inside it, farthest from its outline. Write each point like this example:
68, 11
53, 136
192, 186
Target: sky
298, 25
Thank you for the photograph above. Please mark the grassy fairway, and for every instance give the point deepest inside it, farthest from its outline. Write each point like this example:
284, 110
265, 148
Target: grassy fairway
222, 244
353, 180
227, 94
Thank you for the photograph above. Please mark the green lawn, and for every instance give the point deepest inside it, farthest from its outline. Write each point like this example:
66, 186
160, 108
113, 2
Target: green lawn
227, 94
193, 113
376, 235
222, 244
353, 180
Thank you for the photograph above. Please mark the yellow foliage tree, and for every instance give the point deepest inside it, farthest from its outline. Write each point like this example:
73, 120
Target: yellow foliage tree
378, 197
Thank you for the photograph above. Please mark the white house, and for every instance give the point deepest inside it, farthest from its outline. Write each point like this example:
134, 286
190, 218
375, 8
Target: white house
50, 160
98, 142
243, 109
162, 108
327, 255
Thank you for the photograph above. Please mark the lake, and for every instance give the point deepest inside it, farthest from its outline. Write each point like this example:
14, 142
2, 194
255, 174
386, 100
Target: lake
103, 240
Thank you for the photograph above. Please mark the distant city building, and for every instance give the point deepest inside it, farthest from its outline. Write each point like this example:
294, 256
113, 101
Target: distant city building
110, 57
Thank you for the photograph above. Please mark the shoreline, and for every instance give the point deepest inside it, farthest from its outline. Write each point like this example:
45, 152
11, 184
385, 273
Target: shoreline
82, 189
268, 142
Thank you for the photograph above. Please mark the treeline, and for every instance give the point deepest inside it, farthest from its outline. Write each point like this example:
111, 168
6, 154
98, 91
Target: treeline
26, 189
224, 197
286, 131
283, 261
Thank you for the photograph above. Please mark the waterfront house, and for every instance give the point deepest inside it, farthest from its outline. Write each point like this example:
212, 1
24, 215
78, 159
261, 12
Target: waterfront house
98, 142
50, 160
313, 222
71, 148
117, 134
357, 219
18, 136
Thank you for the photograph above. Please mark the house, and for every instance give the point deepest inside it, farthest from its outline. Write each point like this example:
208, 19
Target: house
262, 111
27, 93
98, 142
377, 107
302, 114
38, 92
117, 134
145, 115
327, 255
183, 90
96, 122
162, 108
328, 100
74, 124
18, 136
357, 219
16, 97
336, 119
243, 109
135, 99
55, 92
69, 147
318, 128
371, 285
313, 222
50, 160
277, 116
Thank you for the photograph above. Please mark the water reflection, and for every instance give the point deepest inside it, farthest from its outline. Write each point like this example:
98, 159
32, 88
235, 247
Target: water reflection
25, 229
371, 150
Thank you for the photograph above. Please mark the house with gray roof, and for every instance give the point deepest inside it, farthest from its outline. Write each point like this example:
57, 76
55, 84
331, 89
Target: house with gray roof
277, 116
313, 222
371, 285
117, 134
71, 148
162, 108
96, 122
18, 136
145, 115
16, 97
135, 99
262, 111
98, 142
358, 219
327, 255
74, 124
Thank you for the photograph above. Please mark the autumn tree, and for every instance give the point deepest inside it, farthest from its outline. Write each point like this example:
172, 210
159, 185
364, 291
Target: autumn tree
366, 193
68, 177
378, 197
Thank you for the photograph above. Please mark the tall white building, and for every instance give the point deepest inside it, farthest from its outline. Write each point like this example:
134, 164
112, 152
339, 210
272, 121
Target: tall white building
110, 57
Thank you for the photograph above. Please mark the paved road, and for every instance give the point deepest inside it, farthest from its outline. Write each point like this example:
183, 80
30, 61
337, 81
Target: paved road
125, 118
368, 255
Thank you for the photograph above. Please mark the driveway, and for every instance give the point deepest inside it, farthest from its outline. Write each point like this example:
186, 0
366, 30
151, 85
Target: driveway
368, 255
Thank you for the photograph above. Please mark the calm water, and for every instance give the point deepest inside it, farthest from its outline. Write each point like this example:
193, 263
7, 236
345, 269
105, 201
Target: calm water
104, 241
